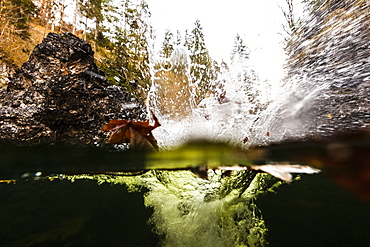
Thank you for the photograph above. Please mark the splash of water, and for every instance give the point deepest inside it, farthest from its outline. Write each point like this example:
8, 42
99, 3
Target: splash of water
189, 211
327, 81
226, 114
325, 91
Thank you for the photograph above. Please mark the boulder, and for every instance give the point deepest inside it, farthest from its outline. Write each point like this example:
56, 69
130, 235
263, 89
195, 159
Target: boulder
60, 96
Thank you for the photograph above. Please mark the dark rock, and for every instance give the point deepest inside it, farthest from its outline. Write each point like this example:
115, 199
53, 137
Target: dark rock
61, 96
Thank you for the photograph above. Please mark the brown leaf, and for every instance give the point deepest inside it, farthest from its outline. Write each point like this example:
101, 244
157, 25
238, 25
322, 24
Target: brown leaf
141, 142
144, 127
137, 133
121, 133
115, 124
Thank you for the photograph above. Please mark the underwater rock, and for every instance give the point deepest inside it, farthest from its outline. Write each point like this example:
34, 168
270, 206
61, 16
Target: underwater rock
61, 96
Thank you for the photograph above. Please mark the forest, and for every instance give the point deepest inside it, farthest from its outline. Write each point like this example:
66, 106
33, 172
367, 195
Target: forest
325, 93
183, 73
122, 39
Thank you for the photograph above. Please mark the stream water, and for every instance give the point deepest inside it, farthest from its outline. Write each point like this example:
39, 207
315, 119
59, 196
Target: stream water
182, 209
326, 94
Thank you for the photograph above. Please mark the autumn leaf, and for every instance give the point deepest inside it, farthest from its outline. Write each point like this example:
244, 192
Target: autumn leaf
137, 133
121, 133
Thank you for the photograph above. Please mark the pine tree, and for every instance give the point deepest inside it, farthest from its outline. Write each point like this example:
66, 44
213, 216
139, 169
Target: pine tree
201, 63
240, 50
17, 15
220, 72
95, 11
167, 45
178, 38
15, 42
240, 76
126, 59
187, 41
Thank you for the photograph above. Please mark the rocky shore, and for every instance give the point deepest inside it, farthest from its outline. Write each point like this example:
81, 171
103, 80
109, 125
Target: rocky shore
60, 96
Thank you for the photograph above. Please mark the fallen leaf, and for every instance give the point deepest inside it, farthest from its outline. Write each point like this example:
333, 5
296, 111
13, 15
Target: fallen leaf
121, 132
137, 133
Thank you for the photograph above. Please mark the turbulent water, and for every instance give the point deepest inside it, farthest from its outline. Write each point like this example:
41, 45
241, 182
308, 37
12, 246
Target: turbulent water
325, 91
327, 85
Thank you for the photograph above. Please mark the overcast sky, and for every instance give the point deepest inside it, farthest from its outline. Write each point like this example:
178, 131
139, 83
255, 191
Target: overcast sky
258, 22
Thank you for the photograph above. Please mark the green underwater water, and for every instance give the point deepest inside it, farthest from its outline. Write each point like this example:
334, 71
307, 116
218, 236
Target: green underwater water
190, 211
175, 208
83, 213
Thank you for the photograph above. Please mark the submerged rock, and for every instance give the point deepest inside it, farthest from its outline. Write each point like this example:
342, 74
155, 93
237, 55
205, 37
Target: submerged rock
61, 96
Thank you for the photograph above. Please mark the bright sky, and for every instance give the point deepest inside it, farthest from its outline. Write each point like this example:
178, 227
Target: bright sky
258, 22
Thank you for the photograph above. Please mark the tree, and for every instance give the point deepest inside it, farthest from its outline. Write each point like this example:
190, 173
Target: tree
96, 12
178, 38
167, 45
312, 5
292, 22
201, 63
239, 51
187, 40
16, 15
126, 58
51, 14
173, 93
241, 74
237, 81
221, 71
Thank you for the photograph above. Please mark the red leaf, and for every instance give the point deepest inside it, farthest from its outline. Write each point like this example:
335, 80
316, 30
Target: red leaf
113, 124
137, 133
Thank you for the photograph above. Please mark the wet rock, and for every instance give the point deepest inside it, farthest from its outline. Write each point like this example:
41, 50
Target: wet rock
61, 96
